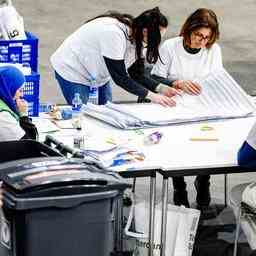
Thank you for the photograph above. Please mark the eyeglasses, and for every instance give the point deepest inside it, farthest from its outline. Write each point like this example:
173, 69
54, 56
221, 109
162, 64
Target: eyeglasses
201, 37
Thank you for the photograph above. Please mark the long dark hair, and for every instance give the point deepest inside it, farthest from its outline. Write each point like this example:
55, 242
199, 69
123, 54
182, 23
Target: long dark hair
151, 20
121, 17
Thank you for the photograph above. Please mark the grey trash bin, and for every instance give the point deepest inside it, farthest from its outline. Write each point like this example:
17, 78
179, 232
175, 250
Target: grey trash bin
58, 207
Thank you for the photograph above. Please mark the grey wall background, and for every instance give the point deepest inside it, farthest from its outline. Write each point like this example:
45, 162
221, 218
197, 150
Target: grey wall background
52, 21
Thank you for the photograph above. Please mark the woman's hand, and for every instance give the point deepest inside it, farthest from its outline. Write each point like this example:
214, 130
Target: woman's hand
161, 99
168, 91
187, 86
22, 106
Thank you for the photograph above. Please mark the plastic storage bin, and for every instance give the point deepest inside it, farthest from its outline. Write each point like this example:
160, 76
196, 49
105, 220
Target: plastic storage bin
31, 93
16, 150
58, 208
20, 51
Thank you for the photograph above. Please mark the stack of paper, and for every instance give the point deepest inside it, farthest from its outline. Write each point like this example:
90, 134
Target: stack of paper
114, 156
221, 97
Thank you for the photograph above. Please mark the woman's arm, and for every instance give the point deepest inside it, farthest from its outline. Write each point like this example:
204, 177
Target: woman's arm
140, 74
119, 75
163, 80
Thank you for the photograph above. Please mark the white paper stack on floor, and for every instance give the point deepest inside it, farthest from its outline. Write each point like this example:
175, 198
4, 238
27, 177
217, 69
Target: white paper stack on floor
221, 98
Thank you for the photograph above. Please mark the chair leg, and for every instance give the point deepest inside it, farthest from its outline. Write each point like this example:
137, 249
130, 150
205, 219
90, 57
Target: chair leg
238, 223
225, 189
133, 185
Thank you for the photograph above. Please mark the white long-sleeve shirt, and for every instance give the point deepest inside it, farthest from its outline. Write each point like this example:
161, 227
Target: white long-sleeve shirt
176, 63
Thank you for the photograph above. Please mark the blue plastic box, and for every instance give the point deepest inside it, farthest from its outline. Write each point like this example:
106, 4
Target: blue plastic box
31, 93
20, 51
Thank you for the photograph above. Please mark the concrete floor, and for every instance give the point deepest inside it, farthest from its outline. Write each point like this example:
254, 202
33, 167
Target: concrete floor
52, 21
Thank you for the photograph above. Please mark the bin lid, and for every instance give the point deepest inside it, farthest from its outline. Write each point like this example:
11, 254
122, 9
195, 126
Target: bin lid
48, 177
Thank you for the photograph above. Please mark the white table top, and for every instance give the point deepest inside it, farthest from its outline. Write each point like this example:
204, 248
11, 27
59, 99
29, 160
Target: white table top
175, 149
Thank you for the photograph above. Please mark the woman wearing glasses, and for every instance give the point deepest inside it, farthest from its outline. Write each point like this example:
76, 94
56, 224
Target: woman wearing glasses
192, 55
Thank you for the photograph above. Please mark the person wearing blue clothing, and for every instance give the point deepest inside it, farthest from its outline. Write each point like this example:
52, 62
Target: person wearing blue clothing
247, 153
14, 122
104, 49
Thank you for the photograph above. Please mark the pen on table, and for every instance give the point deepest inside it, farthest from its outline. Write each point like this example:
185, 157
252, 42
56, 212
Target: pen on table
203, 139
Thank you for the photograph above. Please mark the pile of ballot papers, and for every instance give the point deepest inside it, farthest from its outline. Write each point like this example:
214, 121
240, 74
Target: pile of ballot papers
221, 98
114, 155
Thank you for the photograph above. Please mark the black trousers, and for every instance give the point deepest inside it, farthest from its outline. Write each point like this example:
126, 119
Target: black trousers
180, 184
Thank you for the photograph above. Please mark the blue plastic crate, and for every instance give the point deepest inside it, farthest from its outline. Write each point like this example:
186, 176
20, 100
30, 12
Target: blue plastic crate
33, 107
31, 93
31, 86
20, 51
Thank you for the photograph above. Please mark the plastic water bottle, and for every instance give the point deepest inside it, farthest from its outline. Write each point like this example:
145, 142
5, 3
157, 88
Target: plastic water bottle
93, 93
77, 102
76, 110
79, 139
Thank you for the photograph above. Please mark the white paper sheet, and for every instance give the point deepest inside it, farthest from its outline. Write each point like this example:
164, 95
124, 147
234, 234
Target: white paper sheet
221, 98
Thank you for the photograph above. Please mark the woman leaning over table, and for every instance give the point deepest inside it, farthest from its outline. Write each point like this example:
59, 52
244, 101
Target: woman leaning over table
106, 47
194, 54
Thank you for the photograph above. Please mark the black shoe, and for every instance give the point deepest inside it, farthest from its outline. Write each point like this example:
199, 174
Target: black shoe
203, 197
180, 197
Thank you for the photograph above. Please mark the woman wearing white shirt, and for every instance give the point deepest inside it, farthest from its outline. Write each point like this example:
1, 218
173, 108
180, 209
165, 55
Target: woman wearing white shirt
183, 59
104, 48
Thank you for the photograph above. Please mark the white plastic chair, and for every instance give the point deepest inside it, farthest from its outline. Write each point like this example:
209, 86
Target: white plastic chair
235, 201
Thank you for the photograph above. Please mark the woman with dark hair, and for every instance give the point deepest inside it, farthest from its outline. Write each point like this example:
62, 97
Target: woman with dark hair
14, 122
194, 54
105, 47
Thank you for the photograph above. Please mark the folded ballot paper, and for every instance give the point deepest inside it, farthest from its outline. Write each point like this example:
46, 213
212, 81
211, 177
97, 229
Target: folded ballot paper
113, 155
221, 98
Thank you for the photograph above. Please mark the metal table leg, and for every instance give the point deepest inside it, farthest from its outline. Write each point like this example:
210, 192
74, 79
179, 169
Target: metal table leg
225, 189
152, 214
164, 215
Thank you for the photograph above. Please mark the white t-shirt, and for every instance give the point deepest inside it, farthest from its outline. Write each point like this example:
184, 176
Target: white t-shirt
179, 64
9, 127
80, 57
